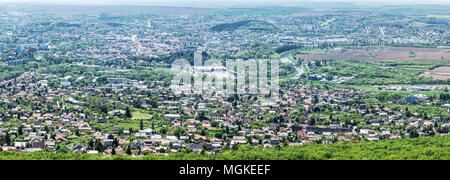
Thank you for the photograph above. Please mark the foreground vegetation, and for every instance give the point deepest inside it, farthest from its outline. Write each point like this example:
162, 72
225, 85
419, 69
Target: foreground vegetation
436, 148
379, 73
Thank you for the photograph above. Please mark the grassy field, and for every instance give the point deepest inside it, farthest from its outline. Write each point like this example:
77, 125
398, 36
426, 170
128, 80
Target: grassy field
141, 115
134, 123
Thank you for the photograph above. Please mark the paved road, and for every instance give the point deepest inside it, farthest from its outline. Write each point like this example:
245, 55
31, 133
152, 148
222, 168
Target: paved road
285, 59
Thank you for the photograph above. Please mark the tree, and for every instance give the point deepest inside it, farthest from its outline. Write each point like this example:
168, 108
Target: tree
91, 144
154, 103
141, 123
316, 99
202, 116
318, 64
104, 109
20, 130
7, 139
414, 134
128, 150
179, 131
99, 146
214, 124
312, 121
128, 112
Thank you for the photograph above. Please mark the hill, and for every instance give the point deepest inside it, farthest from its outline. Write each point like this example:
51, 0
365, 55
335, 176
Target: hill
252, 25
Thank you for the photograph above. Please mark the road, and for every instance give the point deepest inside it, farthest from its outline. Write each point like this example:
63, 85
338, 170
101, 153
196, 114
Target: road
284, 59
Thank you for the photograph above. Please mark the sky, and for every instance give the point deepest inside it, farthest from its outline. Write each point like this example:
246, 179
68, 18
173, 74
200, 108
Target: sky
211, 3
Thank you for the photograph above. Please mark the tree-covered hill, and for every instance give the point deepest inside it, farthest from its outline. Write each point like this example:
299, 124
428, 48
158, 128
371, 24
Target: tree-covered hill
251, 25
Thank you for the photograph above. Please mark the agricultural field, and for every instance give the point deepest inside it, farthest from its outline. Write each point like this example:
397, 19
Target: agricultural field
381, 72
388, 53
440, 16
441, 73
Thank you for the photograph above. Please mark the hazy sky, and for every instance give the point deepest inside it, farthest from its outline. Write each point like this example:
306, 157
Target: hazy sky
213, 3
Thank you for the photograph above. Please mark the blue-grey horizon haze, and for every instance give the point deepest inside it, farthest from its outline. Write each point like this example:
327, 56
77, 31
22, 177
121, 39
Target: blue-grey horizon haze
211, 3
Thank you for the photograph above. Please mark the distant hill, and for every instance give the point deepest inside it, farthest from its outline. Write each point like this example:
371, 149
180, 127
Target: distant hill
252, 25
114, 24
65, 24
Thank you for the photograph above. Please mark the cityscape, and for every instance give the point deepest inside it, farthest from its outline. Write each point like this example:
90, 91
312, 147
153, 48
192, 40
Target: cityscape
353, 81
